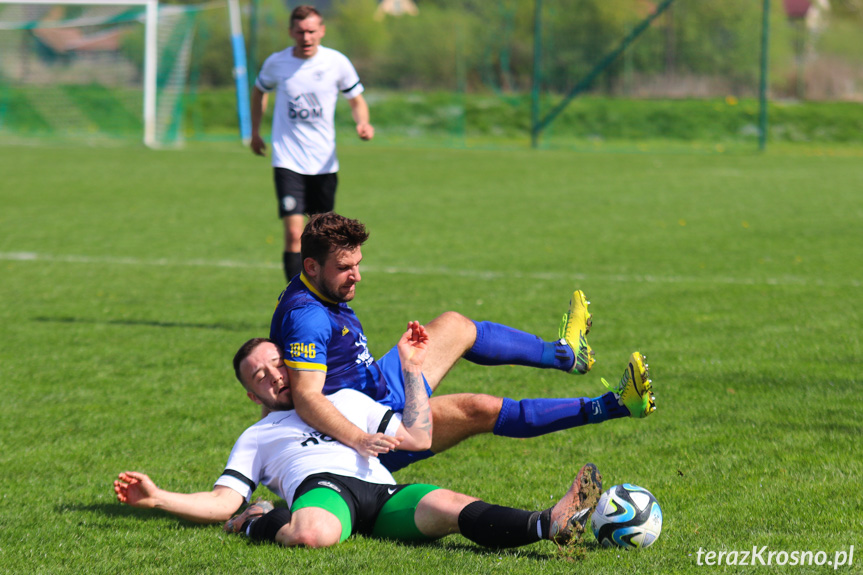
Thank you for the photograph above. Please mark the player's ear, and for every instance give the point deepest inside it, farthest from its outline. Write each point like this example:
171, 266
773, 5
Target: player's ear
253, 397
311, 267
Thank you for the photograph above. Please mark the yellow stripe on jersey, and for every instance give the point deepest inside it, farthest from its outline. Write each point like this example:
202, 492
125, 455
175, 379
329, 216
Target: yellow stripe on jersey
304, 366
312, 289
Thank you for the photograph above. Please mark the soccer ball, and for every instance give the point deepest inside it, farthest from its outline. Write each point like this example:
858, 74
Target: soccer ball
627, 516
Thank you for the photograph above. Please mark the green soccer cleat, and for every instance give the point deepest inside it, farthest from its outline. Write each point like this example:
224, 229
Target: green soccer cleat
569, 516
634, 390
253, 511
573, 331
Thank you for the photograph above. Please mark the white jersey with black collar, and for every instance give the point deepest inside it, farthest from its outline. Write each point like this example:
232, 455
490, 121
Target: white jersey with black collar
281, 450
304, 135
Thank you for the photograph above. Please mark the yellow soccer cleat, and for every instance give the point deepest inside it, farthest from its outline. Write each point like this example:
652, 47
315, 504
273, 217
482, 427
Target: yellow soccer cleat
573, 331
635, 390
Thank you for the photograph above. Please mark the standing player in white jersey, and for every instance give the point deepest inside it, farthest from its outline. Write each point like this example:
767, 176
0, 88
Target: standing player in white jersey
307, 79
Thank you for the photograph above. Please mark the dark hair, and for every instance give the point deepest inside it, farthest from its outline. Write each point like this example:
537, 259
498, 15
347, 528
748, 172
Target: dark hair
330, 231
245, 351
300, 13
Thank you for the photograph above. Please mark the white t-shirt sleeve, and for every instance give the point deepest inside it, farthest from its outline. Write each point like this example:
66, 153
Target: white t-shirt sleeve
242, 472
266, 81
349, 81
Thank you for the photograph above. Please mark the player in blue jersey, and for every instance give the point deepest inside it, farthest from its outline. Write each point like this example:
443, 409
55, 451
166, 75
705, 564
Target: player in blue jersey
325, 348
331, 491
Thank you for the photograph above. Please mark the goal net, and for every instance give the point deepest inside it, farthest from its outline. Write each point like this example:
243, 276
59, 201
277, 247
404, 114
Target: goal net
95, 69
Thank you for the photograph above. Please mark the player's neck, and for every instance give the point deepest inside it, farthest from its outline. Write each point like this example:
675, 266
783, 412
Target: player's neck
298, 53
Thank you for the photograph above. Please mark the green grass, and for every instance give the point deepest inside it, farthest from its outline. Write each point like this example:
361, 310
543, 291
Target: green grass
128, 278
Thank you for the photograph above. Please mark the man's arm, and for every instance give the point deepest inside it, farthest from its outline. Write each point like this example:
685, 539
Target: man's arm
258, 107
360, 114
138, 490
316, 410
416, 426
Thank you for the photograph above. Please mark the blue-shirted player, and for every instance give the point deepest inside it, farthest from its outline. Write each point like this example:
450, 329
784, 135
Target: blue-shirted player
325, 348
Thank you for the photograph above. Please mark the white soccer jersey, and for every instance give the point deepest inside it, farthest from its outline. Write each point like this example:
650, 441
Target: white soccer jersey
281, 450
304, 133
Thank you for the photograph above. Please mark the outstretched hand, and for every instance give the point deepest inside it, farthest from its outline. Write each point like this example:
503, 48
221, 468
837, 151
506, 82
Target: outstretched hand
413, 346
135, 489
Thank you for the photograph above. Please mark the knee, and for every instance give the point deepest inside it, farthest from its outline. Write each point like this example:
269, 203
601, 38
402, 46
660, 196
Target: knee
293, 234
455, 327
455, 319
308, 537
481, 407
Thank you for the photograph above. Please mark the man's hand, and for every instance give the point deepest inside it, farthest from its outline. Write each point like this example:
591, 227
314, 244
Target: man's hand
376, 444
136, 489
365, 131
413, 346
258, 146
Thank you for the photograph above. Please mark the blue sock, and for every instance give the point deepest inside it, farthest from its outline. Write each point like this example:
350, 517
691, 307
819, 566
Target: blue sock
497, 344
534, 417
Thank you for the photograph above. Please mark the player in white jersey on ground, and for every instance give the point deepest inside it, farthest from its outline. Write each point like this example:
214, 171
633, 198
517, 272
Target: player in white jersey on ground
332, 491
307, 79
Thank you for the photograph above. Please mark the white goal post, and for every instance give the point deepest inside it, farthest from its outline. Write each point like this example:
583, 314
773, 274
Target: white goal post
150, 51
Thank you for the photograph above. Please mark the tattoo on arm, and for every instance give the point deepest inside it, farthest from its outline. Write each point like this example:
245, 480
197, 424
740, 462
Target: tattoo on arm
416, 412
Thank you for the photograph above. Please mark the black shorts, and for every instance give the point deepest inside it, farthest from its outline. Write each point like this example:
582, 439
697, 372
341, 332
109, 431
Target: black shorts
301, 194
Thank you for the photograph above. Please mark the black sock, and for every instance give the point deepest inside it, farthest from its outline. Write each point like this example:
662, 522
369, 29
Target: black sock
265, 527
497, 526
293, 264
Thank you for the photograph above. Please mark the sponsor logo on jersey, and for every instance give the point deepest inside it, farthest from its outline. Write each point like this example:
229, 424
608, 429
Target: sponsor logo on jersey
364, 357
306, 108
345, 330
315, 438
391, 490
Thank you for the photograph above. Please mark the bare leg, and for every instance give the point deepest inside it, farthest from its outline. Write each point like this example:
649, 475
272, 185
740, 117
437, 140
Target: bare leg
292, 261
450, 336
293, 231
461, 415
437, 513
311, 527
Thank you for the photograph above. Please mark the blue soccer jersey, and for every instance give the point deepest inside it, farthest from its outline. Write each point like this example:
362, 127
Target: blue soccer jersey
318, 334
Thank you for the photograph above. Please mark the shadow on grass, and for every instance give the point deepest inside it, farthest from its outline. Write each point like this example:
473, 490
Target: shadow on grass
572, 552
121, 511
148, 323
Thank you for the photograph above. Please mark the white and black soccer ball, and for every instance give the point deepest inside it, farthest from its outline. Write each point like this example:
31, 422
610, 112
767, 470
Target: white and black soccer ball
627, 516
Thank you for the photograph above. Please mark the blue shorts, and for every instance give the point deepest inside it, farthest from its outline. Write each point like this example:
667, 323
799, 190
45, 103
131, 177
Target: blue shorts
391, 367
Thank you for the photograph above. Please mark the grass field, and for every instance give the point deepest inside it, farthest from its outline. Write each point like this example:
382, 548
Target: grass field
129, 277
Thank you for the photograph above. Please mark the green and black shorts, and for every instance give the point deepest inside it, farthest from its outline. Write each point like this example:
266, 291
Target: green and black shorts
384, 511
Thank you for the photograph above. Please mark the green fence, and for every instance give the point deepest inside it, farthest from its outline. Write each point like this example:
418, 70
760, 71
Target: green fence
582, 74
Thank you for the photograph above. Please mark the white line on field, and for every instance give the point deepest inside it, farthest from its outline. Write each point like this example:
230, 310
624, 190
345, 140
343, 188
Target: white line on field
441, 271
